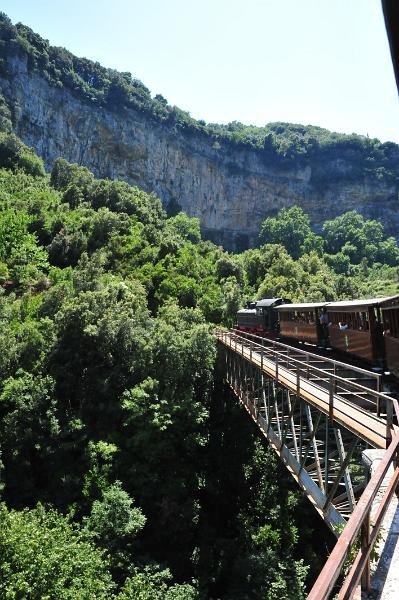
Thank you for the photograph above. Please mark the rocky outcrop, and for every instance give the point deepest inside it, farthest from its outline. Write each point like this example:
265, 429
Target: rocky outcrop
231, 188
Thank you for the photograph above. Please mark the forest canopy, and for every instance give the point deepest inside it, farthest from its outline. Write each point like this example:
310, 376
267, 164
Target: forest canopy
115, 434
109, 419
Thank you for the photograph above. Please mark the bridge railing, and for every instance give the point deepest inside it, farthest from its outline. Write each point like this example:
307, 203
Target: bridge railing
337, 366
360, 529
359, 523
337, 378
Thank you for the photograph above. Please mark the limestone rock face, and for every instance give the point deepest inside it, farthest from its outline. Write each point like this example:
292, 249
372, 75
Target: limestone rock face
231, 188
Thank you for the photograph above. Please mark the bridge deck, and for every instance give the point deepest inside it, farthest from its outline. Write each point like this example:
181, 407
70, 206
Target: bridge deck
315, 412
344, 409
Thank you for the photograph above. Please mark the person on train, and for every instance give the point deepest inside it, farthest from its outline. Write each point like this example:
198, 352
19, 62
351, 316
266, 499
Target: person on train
324, 322
387, 329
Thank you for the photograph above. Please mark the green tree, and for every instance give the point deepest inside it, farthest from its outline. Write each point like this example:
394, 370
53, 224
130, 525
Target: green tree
42, 555
30, 432
359, 238
290, 228
14, 154
113, 517
26, 261
115, 523
188, 228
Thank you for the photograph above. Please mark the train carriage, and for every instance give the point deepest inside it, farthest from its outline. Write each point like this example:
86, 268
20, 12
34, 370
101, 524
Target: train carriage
301, 321
367, 329
356, 327
390, 326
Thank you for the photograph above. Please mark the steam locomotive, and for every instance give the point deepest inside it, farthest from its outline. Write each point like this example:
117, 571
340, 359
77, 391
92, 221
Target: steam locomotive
366, 329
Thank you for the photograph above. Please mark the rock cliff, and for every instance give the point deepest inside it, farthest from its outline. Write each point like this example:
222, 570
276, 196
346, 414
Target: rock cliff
230, 187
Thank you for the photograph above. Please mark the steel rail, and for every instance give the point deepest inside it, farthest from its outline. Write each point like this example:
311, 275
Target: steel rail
328, 577
324, 358
352, 579
374, 394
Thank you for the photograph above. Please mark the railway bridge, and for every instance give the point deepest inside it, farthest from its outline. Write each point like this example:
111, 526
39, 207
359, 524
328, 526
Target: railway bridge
324, 418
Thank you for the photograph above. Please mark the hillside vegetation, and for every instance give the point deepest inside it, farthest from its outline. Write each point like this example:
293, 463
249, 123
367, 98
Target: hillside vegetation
127, 473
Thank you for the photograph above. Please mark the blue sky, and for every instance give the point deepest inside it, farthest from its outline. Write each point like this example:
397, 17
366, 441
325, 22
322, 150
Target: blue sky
320, 62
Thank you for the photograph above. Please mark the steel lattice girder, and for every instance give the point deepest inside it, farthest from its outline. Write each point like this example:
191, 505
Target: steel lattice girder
316, 452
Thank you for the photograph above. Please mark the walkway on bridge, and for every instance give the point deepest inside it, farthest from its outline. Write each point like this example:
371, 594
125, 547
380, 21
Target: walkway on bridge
349, 395
320, 415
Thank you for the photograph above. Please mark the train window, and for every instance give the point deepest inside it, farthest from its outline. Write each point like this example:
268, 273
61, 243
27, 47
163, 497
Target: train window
300, 317
391, 322
362, 321
342, 319
351, 320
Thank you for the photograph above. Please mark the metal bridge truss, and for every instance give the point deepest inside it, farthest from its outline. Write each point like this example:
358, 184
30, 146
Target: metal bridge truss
318, 415
323, 457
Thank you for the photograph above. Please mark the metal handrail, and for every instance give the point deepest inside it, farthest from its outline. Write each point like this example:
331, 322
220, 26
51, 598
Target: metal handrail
360, 517
376, 396
333, 362
370, 374
319, 370
336, 377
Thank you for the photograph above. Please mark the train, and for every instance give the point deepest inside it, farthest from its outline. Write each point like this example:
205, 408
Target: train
365, 329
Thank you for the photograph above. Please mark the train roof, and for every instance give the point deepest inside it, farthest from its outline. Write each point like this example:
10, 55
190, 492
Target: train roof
391, 302
357, 304
301, 306
265, 302
344, 305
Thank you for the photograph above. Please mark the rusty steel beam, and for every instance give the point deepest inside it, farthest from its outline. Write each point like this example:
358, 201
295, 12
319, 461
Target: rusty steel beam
273, 407
332, 568
352, 579
277, 426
